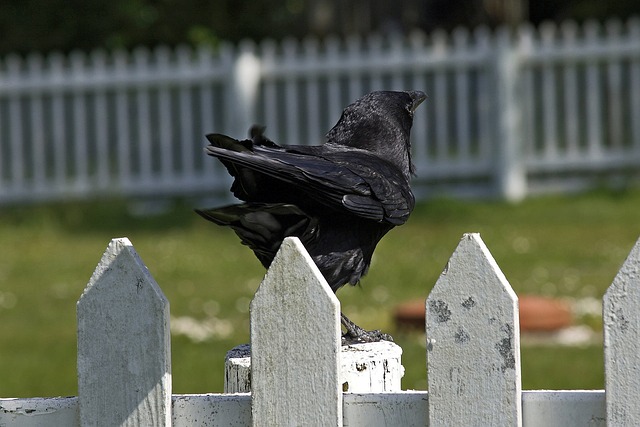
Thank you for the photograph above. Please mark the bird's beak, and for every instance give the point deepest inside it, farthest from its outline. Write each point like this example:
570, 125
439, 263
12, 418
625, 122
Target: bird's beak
417, 97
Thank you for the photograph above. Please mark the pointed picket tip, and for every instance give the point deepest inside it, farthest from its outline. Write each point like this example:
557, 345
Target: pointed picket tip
472, 263
622, 341
121, 255
293, 273
294, 304
473, 341
123, 316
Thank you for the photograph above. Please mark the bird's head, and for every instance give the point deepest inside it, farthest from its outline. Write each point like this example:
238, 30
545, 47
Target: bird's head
380, 122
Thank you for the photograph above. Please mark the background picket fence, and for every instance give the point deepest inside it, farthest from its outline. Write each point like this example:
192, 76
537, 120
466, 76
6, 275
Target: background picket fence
473, 355
544, 109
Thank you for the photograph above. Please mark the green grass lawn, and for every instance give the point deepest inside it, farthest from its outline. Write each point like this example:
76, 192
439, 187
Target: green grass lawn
556, 246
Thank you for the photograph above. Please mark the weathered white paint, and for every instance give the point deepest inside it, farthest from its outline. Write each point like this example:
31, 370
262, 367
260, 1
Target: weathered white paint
38, 411
364, 368
371, 367
237, 370
620, 308
295, 342
403, 408
473, 346
478, 376
549, 408
563, 408
211, 410
124, 356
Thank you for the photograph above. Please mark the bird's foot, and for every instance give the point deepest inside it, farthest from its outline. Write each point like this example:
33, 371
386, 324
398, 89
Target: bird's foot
355, 334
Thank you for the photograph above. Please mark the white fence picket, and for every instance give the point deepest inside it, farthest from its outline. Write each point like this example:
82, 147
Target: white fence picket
295, 343
472, 348
621, 319
124, 356
473, 342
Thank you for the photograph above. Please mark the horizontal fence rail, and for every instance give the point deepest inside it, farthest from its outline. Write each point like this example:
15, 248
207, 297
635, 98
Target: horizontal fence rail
509, 113
473, 355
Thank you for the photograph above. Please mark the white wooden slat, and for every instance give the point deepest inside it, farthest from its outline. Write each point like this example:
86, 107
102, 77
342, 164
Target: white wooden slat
473, 342
16, 134
405, 408
40, 412
485, 98
211, 410
549, 408
314, 132
462, 95
530, 132
593, 93
419, 143
549, 95
572, 108
185, 113
226, 58
100, 130
295, 343
375, 48
269, 107
143, 117
59, 131
440, 95
36, 125
79, 114
186, 130
621, 322
511, 174
563, 408
208, 119
354, 54
164, 119
614, 88
123, 125
291, 95
334, 98
124, 356
396, 55
441, 122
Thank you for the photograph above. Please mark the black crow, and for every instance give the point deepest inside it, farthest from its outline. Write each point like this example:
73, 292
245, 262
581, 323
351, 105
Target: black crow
338, 198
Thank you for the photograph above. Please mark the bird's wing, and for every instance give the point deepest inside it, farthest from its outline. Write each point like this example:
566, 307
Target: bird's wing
356, 181
388, 187
263, 226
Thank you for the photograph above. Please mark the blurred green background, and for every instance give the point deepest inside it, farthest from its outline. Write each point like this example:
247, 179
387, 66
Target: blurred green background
569, 246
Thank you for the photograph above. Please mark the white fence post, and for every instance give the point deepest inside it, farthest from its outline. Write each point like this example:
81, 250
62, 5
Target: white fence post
621, 320
295, 343
511, 172
364, 368
473, 342
124, 359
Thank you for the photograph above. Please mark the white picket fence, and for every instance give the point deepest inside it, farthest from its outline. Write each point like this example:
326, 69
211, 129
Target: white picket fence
473, 355
545, 109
